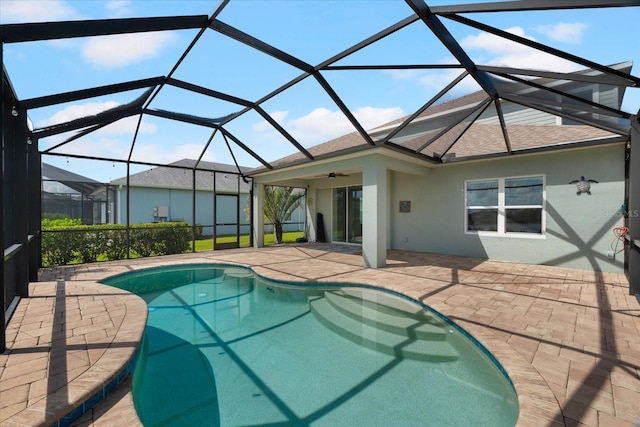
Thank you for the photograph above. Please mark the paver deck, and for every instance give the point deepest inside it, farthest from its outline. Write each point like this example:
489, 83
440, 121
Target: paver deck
569, 339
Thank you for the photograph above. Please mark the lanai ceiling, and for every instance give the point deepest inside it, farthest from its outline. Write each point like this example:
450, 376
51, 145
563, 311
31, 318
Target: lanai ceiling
230, 85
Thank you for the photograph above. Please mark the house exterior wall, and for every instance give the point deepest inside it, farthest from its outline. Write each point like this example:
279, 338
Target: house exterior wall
145, 200
578, 228
515, 114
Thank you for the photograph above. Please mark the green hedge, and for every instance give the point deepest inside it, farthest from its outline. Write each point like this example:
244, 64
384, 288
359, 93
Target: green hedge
67, 241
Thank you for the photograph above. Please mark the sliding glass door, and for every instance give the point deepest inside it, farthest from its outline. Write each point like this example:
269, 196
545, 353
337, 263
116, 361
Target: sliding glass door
346, 224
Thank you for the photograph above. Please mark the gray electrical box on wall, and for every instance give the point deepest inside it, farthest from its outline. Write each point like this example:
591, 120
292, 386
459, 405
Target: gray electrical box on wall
161, 212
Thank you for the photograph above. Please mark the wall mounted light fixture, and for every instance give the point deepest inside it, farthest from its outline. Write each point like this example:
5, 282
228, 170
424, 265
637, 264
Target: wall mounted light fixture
14, 111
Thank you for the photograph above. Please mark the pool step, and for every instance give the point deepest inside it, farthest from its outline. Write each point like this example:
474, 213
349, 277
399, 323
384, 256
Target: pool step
386, 302
387, 339
229, 272
238, 272
412, 324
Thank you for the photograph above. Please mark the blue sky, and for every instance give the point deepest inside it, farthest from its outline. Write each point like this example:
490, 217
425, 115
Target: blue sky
314, 31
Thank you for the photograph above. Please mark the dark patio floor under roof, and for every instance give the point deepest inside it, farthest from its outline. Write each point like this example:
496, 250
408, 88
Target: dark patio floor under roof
437, 23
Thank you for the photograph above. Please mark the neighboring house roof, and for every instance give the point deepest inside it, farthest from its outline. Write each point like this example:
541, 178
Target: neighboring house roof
56, 174
178, 175
482, 137
81, 184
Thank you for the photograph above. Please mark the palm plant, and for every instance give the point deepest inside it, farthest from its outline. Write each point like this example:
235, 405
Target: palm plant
279, 204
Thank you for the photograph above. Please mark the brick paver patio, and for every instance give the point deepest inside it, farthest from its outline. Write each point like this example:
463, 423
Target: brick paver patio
569, 339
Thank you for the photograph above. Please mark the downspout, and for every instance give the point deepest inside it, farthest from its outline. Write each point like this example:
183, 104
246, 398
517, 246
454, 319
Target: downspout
632, 196
3, 337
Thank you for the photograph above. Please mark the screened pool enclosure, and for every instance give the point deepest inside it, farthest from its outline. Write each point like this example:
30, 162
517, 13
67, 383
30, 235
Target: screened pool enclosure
223, 91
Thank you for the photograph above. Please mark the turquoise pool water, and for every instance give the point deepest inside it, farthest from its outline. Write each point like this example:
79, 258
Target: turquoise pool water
223, 347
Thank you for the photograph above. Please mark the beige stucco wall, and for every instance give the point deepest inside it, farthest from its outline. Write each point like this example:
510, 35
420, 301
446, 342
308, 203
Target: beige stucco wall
578, 228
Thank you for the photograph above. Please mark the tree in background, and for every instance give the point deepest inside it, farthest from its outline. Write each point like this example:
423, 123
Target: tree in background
279, 204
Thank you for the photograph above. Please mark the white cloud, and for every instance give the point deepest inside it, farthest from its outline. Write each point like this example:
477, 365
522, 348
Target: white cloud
370, 117
120, 50
494, 50
567, 32
434, 81
115, 148
72, 112
89, 146
322, 124
265, 126
489, 49
441, 80
22, 11
404, 74
119, 8
159, 153
495, 44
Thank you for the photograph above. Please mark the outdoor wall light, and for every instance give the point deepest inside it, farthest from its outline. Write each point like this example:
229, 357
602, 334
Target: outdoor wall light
332, 175
28, 140
14, 111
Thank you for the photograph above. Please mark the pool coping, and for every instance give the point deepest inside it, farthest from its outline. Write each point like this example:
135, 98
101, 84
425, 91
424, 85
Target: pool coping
63, 405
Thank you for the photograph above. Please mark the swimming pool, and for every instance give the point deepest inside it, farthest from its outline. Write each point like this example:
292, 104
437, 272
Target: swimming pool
225, 347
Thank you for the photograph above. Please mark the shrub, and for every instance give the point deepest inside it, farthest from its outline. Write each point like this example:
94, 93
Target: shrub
115, 242
67, 241
58, 246
173, 238
143, 240
60, 223
90, 245
160, 239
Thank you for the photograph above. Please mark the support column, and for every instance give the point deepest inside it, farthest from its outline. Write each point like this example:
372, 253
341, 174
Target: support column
258, 215
20, 204
375, 218
310, 221
632, 255
34, 189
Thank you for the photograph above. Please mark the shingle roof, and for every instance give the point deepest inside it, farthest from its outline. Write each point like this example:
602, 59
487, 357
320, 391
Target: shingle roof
54, 173
79, 183
179, 175
483, 138
479, 139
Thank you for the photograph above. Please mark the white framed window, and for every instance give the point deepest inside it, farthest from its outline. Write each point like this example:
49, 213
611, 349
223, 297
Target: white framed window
506, 206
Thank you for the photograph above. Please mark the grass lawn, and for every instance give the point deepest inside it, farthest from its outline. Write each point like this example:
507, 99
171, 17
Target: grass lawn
269, 239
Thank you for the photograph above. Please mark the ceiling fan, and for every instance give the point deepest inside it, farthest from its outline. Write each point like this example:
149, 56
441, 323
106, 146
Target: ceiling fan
332, 175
